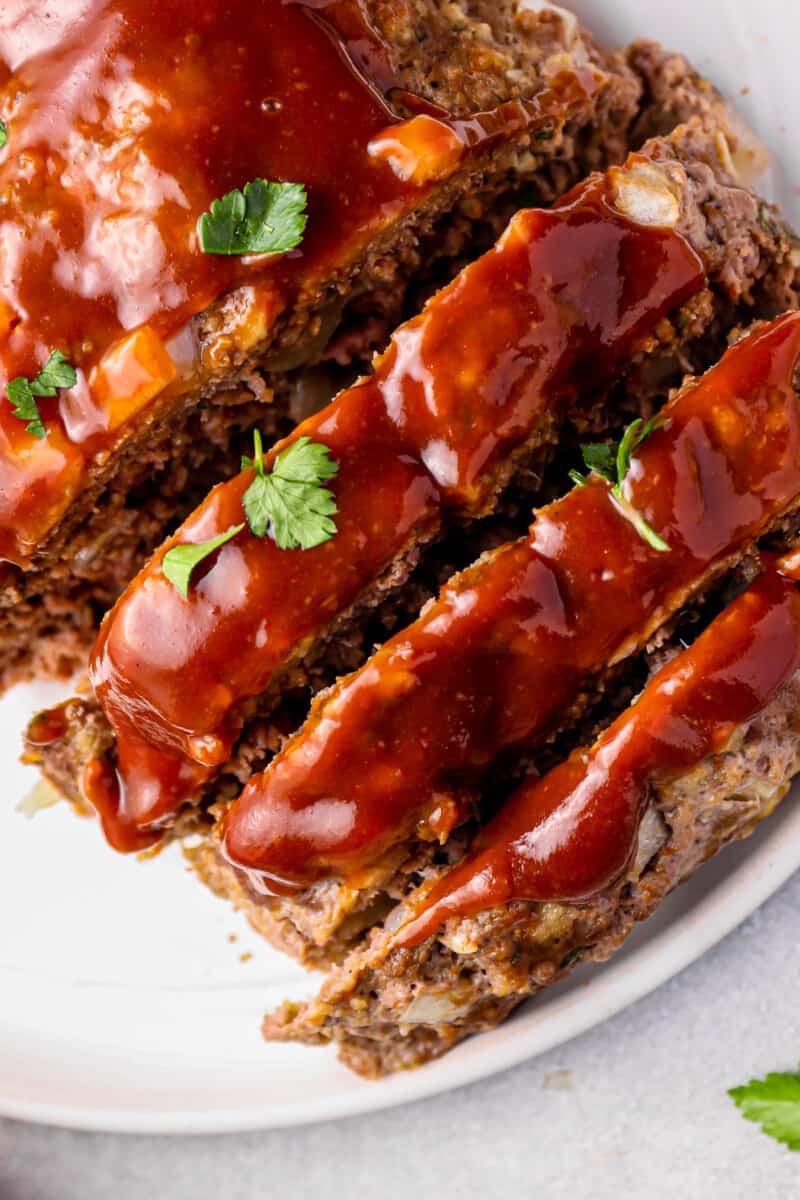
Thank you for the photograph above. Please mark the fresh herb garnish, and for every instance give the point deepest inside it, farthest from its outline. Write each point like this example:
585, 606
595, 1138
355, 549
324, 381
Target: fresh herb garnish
3, 134
774, 1104
266, 218
179, 562
612, 462
574, 957
290, 503
56, 373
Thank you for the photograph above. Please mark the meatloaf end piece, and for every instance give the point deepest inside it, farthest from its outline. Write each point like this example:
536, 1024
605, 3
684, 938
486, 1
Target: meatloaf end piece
114, 492
393, 1005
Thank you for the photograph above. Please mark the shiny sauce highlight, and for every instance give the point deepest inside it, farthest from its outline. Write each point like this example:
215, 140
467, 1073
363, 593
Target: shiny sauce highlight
503, 653
537, 325
572, 833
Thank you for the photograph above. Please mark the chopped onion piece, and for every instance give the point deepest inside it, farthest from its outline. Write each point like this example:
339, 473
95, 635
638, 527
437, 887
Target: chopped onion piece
647, 194
569, 21
433, 1009
41, 796
653, 833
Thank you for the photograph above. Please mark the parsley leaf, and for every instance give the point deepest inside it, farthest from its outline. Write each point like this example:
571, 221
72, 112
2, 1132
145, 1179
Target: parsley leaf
290, 503
56, 373
632, 439
3, 134
179, 562
600, 459
774, 1104
266, 218
644, 530
612, 463
24, 406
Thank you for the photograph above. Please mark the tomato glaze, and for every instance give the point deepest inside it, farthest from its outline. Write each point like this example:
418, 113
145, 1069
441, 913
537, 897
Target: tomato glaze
125, 120
538, 325
573, 832
504, 652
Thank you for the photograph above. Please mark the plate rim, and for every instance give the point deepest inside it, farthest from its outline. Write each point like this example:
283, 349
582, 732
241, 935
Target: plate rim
728, 903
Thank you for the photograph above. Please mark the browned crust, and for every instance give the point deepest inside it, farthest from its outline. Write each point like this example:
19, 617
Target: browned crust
486, 965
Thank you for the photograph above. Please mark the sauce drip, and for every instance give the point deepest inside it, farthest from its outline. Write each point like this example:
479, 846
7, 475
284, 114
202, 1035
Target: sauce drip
126, 119
572, 833
503, 653
537, 325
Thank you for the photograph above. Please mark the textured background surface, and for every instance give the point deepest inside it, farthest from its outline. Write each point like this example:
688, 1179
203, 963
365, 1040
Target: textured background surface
635, 1108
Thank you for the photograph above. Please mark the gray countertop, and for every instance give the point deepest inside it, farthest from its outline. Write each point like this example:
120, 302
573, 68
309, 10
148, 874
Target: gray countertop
637, 1107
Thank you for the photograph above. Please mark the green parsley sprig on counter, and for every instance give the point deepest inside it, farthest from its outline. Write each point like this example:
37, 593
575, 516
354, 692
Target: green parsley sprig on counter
774, 1104
611, 461
288, 503
56, 373
265, 218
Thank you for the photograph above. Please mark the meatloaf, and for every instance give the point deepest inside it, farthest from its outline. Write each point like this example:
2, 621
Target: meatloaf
403, 761
576, 857
140, 342
725, 246
392, 758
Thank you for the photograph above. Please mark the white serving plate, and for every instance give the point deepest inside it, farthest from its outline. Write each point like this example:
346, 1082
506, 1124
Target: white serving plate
123, 1004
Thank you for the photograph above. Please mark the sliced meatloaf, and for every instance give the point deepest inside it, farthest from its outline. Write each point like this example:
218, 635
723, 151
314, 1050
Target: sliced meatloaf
123, 128
516, 647
577, 857
404, 763
657, 294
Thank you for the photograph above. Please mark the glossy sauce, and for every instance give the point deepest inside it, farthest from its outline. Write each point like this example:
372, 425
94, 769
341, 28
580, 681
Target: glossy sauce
505, 650
126, 119
572, 833
537, 325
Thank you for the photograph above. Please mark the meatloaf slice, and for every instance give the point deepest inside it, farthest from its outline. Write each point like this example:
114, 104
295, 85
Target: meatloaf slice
705, 752
416, 464
517, 646
123, 129
618, 591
